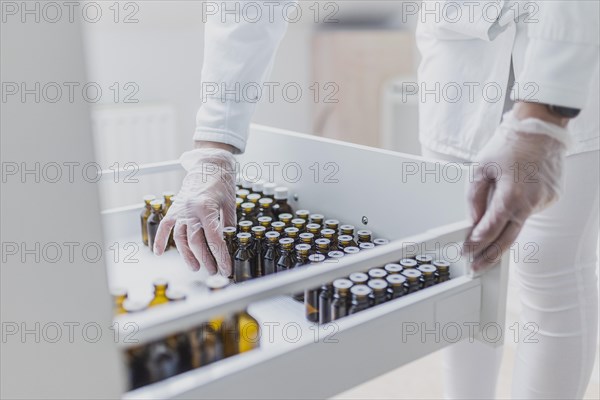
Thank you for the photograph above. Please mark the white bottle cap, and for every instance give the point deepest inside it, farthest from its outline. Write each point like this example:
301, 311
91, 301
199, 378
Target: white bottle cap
258, 186
269, 188
281, 193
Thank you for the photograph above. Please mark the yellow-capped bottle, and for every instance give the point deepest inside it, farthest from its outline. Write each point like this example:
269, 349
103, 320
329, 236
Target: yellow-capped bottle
307, 238
249, 212
265, 208
299, 224
258, 244
413, 277
271, 253
244, 258
265, 221
315, 229
341, 299
242, 194
364, 236
146, 212
153, 221
317, 219
428, 278
303, 214
245, 226
345, 241
322, 246
278, 227
348, 230
396, 286
229, 233
286, 260
443, 270
292, 233
286, 218
253, 198
160, 292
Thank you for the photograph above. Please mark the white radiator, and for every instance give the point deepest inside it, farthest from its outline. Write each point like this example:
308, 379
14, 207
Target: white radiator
126, 137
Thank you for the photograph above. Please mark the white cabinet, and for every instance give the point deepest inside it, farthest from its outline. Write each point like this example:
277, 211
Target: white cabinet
418, 205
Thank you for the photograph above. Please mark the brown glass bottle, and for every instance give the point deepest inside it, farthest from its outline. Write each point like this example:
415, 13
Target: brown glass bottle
345, 241
299, 224
258, 244
160, 292
332, 224
245, 226
325, 297
317, 219
413, 277
153, 221
443, 270
397, 286
322, 246
292, 233
249, 213
271, 253
287, 259
265, 208
307, 238
278, 227
341, 299
302, 253
360, 298
303, 214
254, 198
146, 212
265, 221
286, 218
379, 288
243, 258
281, 202
315, 229
348, 230
428, 275
229, 233
242, 194
364, 236
331, 235
311, 296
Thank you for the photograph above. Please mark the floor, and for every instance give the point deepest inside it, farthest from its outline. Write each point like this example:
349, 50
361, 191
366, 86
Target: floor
422, 378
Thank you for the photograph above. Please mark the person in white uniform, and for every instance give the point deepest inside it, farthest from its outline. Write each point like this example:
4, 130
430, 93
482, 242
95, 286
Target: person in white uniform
550, 138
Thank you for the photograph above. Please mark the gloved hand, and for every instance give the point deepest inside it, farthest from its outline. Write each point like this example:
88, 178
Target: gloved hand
204, 205
518, 173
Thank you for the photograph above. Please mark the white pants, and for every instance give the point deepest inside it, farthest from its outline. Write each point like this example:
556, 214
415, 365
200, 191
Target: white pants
558, 293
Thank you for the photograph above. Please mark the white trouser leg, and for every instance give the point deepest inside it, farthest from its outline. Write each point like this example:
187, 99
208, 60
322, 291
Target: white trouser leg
558, 294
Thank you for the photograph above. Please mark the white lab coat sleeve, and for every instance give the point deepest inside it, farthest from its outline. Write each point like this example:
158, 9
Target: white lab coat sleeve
561, 54
239, 47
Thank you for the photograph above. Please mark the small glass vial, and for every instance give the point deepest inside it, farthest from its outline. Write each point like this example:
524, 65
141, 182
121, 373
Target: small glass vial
345, 241
281, 201
424, 259
408, 263
351, 250
249, 212
341, 299
330, 234
332, 224
443, 270
245, 226
302, 253
428, 278
229, 233
360, 298
311, 296
322, 246
303, 214
292, 233
377, 273
269, 190
278, 227
325, 297
265, 208
366, 246
300, 224
119, 296
238, 208
253, 198
393, 268
286, 218
271, 253
315, 229
168, 200
160, 292
307, 238
397, 286
286, 259
364, 236
316, 219
258, 240
413, 277
380, 242
153, 221
243, 259
379, 288
359, 278
265, 221
242, 194
146, 212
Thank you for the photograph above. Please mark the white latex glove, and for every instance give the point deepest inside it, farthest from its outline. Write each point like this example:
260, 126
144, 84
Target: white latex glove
518, 173
204, 205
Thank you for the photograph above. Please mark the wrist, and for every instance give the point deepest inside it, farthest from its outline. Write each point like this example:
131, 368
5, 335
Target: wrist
524, 110
202, 144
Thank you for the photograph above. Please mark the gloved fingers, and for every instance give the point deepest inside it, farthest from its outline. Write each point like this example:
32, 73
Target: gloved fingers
213, 230
200, 248
478, 197
493, 253
162, 234
181, 241
229, 213
490, 227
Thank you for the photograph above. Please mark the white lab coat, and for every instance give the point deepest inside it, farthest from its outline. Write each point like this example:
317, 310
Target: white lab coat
554, 51
558, 56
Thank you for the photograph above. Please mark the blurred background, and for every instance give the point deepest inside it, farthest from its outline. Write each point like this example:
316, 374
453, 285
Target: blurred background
358, 54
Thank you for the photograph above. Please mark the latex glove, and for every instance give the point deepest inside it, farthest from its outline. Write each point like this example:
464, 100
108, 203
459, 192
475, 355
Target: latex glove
204, 205
518, 173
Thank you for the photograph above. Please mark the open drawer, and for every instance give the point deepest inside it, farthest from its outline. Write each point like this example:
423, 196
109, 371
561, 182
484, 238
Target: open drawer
415, 203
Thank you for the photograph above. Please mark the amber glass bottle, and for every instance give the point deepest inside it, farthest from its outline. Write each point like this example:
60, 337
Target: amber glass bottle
345, 241
348, 230
311, 296
397, 286
266, 208
341, 301
146, 211
364, 236
281, 201
413, 277
271, 253
443, 270
303, 214
322, 246
379, 288
428, 278
360, 298
302, 253
286, 259
153, 221
307, 238
292, 233
278, 227
249, 212
286, 218
243, 258
315, 229
317, 219
331, 235
299, 224
245, 226
160, 292
258, 235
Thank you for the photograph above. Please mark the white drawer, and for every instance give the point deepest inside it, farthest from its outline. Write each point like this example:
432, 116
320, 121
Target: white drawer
418, 213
